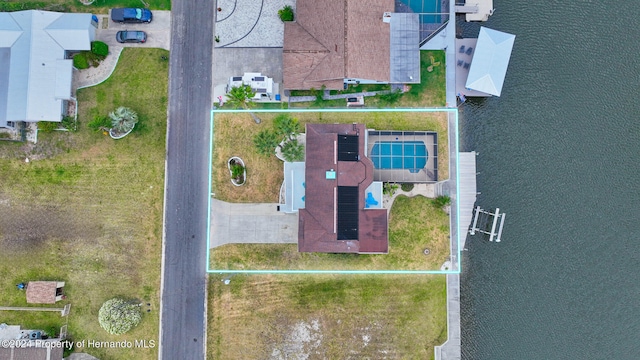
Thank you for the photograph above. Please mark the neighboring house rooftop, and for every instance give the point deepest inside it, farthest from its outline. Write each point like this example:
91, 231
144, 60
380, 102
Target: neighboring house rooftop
337, 174
28, 348
35, 77
333, 40
490, 61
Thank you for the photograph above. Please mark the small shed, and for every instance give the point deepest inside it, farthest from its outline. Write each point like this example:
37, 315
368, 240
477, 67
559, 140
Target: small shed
44, 292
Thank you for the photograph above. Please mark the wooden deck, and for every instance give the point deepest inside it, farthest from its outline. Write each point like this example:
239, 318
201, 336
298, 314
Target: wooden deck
466, 192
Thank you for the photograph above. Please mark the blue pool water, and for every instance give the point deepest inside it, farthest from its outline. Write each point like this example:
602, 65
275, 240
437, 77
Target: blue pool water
430, 7
410, 155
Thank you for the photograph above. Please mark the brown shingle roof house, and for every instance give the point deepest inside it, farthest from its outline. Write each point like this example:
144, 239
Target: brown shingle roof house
332, 40
337, 173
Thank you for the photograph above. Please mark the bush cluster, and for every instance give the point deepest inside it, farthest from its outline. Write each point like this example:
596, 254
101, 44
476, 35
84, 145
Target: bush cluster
118, 316
286, 13
47, 126
100, 48
80, 61
84, 59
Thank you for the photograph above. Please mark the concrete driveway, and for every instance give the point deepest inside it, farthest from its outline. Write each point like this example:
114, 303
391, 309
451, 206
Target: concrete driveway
233, 223
237, 61
158, 31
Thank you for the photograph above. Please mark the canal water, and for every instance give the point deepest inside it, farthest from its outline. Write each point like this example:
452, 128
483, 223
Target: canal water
559, 153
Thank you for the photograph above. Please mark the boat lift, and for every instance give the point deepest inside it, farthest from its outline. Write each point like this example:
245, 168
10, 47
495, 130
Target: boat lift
486, 217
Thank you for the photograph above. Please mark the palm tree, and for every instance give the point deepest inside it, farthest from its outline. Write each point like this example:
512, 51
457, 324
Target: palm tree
266, 142
286, 126
123, 119
240, 97
292, 150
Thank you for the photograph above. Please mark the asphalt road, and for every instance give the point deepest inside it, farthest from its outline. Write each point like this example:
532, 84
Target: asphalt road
183, 303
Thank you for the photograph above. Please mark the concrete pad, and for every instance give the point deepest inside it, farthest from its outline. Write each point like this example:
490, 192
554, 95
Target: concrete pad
250, 23
158, 31
251, 224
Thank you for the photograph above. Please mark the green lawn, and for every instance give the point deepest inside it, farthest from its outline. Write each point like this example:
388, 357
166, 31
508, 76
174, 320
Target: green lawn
99, 6
326, 317
87, 209
414, 225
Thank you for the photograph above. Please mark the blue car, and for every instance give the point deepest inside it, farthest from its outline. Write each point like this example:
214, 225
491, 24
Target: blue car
131, 15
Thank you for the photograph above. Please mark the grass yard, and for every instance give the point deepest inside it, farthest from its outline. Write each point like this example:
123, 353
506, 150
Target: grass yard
414, 224
431, 92
326, 317
98, 6
87, 210
234, 133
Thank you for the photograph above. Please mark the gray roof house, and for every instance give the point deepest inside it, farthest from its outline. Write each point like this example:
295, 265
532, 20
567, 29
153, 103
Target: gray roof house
35, 74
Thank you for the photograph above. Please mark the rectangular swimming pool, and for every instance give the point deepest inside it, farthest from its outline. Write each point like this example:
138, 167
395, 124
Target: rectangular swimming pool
409, 155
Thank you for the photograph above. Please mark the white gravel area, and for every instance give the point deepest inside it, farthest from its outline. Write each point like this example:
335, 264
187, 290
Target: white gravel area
250, 23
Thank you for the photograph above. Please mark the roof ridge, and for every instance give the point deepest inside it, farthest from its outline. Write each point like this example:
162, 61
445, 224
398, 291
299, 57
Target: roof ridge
310, 35
344, 40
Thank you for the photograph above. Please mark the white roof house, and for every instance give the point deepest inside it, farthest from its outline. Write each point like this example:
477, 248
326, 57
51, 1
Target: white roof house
35, 77
490, 61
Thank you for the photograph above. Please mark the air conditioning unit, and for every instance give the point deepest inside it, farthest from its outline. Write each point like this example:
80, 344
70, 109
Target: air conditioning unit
386, 17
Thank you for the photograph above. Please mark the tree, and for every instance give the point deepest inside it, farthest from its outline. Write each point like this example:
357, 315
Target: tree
240, 97
286, 126
266, 142
123, 119
118, 316
292, 150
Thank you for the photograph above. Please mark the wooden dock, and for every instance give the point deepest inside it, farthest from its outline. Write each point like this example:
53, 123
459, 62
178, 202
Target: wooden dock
467, 192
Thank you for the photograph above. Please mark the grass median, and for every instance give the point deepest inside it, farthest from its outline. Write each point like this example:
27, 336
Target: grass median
326, 317
88, 210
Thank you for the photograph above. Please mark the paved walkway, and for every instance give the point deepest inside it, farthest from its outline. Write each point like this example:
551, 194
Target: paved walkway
250, 23
326, 96
158, 36
251, 224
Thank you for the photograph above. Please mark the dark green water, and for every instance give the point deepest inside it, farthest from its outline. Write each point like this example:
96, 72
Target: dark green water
559, 154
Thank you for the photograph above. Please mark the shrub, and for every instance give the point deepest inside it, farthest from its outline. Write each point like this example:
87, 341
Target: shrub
99, 123
389, 188
442, 201
80, 61
47, 126
406, 186
99, 48
237, 171
391, 97
118, 316
286, 13
69, 123
93, 59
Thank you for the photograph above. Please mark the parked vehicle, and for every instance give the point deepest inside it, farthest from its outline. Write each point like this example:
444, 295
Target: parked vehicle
131, 15
131, 36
